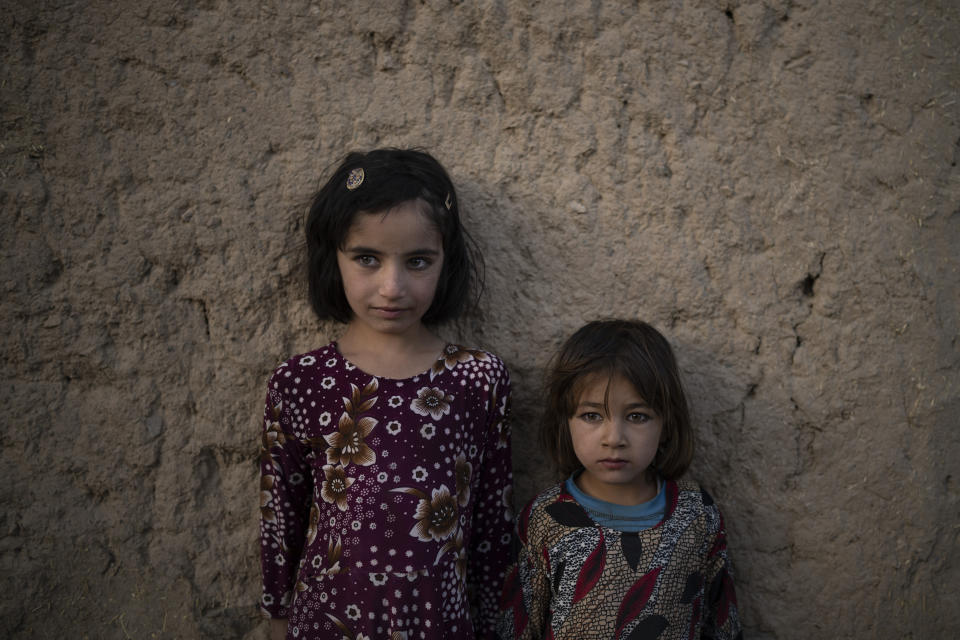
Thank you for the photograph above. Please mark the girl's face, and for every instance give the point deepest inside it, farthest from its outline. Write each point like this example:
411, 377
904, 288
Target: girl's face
615, 437
390, 264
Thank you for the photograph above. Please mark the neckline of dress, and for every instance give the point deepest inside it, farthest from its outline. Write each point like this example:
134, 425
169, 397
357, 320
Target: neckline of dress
426, 372
668, 509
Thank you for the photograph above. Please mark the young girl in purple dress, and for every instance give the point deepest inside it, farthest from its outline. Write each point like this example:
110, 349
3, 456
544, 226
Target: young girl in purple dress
385, 464
622, 548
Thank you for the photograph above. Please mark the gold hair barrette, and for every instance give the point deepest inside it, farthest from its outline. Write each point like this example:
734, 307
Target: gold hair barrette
448, 202
355, 178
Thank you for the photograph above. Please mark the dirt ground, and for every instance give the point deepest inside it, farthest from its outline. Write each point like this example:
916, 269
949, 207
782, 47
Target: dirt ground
773, 184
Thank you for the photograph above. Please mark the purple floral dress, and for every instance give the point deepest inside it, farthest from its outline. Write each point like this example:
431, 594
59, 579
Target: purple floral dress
386, 504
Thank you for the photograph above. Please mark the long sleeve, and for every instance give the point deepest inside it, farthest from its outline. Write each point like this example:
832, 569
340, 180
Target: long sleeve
721, 619
525, 603
488, 558
285, 492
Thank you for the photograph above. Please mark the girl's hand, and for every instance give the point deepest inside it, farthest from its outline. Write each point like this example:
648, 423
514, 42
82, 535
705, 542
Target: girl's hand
278, 628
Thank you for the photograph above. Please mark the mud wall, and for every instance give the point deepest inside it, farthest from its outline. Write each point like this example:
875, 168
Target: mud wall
774, 184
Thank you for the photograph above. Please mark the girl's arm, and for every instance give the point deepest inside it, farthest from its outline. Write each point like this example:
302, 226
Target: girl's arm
525, 603
278, 628
721, 619
285, 490
488, 557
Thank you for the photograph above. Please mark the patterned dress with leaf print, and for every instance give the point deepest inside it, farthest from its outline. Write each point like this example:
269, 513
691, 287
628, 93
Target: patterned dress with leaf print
575, 579
385, 504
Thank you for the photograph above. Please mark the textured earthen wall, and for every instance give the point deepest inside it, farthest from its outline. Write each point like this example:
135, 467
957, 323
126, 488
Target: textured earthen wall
773, 184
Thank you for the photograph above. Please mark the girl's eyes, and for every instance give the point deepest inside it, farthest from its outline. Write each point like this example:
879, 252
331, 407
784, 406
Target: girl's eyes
419, 263
638, 417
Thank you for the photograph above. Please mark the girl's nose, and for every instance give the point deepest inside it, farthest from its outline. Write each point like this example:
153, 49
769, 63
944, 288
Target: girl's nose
613, 434
392, 283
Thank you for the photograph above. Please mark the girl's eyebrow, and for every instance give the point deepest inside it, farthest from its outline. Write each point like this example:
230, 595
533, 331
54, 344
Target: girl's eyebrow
361, 250
372, 251
589, 404
632, 405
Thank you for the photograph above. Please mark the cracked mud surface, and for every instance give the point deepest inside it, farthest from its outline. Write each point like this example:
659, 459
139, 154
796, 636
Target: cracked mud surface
773, 184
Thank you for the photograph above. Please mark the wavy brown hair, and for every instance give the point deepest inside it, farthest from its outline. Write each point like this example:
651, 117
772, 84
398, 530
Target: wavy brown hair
638, 352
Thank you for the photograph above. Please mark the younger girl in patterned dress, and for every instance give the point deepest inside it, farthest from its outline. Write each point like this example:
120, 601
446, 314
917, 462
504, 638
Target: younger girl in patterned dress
623, 548
385, 465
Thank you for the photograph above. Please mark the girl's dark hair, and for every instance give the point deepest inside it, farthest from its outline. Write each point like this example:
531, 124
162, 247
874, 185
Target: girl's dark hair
639, 353
390, 178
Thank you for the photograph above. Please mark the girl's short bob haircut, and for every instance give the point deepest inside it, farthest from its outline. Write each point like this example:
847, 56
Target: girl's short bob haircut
389, 177
639, 353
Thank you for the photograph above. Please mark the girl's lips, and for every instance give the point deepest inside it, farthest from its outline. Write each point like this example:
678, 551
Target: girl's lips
388, 312
613, 463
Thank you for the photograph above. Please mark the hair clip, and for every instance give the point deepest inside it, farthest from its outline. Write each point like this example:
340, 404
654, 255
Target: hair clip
448, 202
355, 178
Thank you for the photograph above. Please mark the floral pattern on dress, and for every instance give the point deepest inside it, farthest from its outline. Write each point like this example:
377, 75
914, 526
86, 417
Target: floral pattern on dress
347, 444
381, 499
455, 546
347, 632
431, 402
436, 514
335, 485
334, 553
464, 469
454, 355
